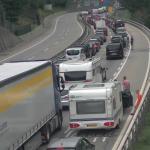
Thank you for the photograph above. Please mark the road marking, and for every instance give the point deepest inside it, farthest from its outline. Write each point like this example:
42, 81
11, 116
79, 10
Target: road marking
67, 130
46, 49
95, 139
69, 133
37, 43
123, 131
79, 26
114, 74
104, 139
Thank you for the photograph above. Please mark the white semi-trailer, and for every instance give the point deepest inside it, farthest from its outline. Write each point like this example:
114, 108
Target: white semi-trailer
30, 108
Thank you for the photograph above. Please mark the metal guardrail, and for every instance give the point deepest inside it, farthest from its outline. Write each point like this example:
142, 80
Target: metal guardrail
134, 122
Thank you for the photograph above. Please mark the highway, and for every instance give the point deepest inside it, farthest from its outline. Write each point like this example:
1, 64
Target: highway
134, 66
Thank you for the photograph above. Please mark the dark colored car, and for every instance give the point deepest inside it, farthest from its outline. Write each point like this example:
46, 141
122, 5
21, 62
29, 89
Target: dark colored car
72, 143
118, 39
99, 38
114, 50
119, 23
102, 29
101, 33
125, 37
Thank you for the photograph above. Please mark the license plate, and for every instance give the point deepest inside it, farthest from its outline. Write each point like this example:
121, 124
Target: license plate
91, 125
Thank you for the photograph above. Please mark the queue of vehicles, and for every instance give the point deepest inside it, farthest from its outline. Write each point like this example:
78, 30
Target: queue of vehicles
41, 85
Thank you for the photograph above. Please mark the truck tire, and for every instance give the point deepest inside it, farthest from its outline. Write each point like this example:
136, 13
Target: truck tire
60, 120
47, 134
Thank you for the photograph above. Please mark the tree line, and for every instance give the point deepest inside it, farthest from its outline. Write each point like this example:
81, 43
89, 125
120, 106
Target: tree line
11, 10
139, 8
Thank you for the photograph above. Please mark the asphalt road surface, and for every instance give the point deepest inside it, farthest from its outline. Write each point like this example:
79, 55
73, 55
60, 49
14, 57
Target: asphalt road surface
134, 66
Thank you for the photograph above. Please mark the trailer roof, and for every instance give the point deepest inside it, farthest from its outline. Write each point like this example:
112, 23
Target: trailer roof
8, 70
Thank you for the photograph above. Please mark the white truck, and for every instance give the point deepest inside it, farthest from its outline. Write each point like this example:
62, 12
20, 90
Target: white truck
95, 106
30, 108
76, 72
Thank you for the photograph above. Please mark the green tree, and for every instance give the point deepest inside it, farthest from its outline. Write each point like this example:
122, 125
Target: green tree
12, 9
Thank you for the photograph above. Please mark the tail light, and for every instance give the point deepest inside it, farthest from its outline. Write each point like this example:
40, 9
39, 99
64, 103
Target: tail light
109, 124
74, 125
88, 81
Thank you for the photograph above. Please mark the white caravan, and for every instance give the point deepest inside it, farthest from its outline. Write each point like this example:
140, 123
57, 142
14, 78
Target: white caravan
95, 106
76, 72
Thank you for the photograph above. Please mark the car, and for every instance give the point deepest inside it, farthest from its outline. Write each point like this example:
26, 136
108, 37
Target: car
99, 38
114, 50
75, 53
117, 39
96, 42
101, 33
125, 37
119, 23
120, 29
103, 29
71, 143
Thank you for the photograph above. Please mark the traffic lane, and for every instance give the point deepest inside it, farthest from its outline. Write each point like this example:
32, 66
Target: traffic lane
67, 30
136, 66
104, 139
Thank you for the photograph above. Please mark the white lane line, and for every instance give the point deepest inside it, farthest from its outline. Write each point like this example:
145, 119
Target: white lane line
67, 130
79, 26
69, 133
37, 43
46, 49
118, 68
104, 139
114, 74
95, 139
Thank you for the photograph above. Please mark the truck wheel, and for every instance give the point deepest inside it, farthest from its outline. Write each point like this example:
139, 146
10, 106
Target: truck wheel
47, 134
60, 119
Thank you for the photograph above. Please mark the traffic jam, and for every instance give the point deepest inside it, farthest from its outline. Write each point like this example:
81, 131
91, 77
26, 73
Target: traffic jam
93, 101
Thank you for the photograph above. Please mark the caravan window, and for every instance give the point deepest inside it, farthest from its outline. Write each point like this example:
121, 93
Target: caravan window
91, 107
75, 76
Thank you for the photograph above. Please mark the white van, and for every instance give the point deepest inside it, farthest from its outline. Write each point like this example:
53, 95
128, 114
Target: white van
95, 106
77, 72
76, 53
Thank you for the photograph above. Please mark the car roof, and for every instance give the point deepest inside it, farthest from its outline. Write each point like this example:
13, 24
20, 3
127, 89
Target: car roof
74, 48
112, 44
66, 142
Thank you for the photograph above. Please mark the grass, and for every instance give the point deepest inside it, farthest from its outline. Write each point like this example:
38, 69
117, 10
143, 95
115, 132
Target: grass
143, 139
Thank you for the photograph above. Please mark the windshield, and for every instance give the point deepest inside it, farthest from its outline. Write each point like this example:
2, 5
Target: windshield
115, 40
73, 52
75, 76
91, 107
113, 47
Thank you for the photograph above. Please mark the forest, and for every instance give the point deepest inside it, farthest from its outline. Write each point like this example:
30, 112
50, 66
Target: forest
140, 9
